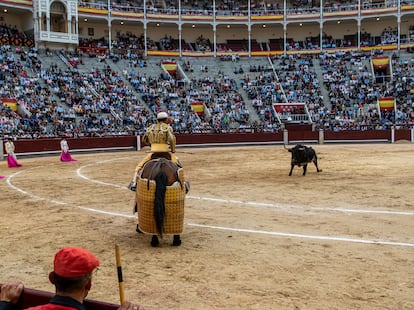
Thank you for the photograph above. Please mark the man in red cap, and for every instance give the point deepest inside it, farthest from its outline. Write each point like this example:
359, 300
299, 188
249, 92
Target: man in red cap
72, 277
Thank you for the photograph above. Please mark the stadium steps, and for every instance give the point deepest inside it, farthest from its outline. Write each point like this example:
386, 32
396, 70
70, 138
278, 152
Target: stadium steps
325, 93
47, 62
407, 58
91, 63
153, 68
122, 67
51, 60
229, 68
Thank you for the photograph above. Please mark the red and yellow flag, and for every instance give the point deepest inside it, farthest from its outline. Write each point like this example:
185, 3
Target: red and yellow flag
170, 66
11, 103
381, 61
198, 107
386, 103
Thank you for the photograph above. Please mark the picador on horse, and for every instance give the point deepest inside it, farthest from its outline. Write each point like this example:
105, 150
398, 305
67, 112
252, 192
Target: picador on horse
159, 184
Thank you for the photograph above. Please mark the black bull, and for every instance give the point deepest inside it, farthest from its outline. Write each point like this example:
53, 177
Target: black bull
301, 156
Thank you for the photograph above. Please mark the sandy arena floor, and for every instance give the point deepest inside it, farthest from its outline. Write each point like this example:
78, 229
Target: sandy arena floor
254, 238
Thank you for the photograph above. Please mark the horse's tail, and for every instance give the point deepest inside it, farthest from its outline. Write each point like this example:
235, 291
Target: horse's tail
159, 201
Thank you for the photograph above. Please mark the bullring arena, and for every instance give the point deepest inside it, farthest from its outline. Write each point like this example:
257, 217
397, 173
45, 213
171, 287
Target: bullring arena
254, 238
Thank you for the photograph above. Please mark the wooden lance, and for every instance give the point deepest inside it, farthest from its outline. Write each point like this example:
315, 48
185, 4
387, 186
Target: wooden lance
120, 279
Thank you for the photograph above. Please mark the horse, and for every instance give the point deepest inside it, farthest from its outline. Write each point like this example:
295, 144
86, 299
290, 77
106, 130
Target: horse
160, 200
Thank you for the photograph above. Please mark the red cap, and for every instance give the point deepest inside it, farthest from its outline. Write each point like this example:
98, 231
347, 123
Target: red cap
74, 262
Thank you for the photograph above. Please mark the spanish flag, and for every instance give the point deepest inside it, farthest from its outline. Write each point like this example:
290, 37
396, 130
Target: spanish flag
380, 62
170, 66
11, 103
386, 103
198, 107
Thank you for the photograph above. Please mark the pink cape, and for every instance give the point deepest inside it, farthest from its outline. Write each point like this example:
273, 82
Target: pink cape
2, 177
65, 156
12, 162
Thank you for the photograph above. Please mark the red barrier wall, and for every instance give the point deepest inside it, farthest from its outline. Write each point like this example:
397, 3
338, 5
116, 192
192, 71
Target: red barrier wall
31, 298
303, 135
229, 138
296, 136
402, 135
53, 145
358, 135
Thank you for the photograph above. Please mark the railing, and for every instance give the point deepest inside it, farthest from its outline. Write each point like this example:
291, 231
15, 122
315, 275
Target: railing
293, 118
191, 11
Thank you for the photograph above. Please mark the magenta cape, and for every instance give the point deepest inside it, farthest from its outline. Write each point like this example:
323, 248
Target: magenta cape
65, 156
12, 162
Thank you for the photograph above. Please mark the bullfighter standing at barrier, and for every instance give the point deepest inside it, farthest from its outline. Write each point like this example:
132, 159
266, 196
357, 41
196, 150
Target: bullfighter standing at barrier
65, 153
160, 137
11, 157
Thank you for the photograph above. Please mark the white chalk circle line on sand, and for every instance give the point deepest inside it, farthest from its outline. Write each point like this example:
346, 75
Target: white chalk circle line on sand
243, 230
247, 203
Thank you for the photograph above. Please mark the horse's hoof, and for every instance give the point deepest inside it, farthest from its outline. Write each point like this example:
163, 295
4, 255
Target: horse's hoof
176, 241
154, 241
138, 230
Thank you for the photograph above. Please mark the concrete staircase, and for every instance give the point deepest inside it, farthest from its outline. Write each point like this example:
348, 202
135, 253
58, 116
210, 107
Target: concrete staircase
325, 92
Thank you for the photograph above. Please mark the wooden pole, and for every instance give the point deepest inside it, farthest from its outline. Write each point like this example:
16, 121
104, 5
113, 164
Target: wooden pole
120, 279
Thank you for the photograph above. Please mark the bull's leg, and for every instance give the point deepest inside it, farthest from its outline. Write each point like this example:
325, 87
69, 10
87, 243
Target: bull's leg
304, 169
291, 169
154, 241
176, 240
315, 161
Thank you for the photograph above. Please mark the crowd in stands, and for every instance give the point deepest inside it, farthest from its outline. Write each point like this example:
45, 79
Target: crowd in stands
57, 101
353, 94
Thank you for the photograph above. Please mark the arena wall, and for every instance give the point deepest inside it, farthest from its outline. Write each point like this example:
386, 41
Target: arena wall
51, 146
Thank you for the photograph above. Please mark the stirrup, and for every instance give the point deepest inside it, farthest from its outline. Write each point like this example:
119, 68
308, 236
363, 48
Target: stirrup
187, 186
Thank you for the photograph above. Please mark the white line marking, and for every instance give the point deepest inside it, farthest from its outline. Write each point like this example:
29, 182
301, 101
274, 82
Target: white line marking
249, 203
8, 181
281, 234
284, 206
59, 202
253, 203
78, 172
274, 233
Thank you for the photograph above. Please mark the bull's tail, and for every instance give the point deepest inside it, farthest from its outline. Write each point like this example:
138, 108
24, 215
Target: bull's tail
159, 201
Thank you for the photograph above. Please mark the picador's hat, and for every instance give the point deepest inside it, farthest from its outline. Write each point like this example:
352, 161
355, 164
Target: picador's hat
162, 115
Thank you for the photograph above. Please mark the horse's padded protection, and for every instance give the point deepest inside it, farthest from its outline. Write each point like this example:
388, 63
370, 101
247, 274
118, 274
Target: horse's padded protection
174, 206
